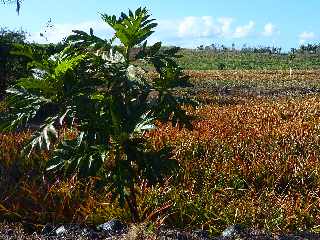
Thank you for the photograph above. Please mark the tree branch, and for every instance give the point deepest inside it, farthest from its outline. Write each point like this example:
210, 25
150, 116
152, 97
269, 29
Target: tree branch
18, 4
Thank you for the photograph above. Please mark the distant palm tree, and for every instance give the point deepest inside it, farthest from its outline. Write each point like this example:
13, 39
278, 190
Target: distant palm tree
17, 2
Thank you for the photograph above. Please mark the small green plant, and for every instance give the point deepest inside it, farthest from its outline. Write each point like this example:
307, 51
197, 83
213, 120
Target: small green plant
221, 66
94, 87
291, 57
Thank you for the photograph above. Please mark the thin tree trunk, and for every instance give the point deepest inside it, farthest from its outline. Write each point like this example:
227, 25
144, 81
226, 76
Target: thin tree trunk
132, 202
4, 50
3, 79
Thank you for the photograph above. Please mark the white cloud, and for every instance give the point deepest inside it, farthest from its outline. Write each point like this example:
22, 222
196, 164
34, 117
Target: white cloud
209, 27
57, 32
269, 30
206, 26
197, 27
244, 31
306, 36
225, 25
189, 27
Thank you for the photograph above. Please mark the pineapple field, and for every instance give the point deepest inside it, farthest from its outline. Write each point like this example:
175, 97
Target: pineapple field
251, 158
102, 131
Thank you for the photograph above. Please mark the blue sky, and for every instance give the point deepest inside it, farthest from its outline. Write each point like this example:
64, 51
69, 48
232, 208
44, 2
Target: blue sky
283, 23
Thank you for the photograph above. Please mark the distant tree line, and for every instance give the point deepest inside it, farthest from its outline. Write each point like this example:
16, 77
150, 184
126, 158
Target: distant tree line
303, 49
307, 49
244, 49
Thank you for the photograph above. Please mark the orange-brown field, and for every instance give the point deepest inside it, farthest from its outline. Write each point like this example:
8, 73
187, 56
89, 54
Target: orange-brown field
252, 159
255, 74
256, 162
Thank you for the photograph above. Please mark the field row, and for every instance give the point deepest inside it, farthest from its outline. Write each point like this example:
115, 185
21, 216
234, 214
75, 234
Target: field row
208, 60
254, 83
248, 75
